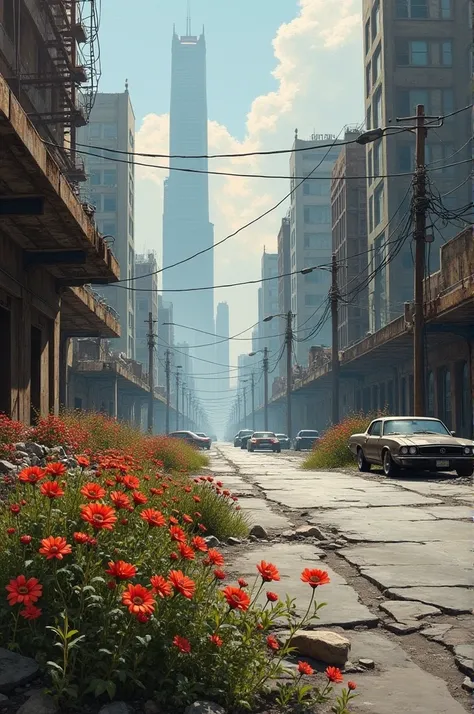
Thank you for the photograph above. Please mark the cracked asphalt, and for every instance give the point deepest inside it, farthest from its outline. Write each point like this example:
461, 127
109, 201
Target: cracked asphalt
398, 552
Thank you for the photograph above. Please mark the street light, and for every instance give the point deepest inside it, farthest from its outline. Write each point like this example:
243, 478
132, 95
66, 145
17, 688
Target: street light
265, 384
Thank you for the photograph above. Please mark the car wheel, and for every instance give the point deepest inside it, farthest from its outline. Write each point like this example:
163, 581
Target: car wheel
278, 451
465, 471
390, 468
297, 448
362, 462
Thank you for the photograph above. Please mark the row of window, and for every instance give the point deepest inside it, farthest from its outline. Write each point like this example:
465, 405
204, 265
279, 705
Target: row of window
435, 101
375, 208
104, 202
103, 130
103, 177
314, 215
408, 10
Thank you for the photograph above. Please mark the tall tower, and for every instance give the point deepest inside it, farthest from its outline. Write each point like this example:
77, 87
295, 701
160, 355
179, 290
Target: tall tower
186, 226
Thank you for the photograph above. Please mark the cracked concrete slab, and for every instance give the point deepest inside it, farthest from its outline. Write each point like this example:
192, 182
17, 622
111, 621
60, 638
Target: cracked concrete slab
325, 495
404, 610
406, 576
434, 554
260, 513
343, 607
454, 600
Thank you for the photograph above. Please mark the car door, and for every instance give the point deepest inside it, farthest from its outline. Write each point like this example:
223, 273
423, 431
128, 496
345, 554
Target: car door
373, 449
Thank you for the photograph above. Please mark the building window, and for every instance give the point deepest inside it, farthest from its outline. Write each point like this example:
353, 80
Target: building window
367, 79
430, 394
371, 214
311, 300
445, 9
447, 53
109, 228
376, 65
130, 226
367, 118
293, 238
317, 187
444, 391
94, 178
375, 20
377, 157
94, 131
110, 177
110, 130
367, 36
412, 52
378, 205
407, 100
369, 165
405, 155
448, 101
317, 241
109, 204
414, 9
317, 214
378, 122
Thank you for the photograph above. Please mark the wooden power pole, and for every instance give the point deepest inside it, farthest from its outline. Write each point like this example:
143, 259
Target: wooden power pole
335, 341
420, 242
151, 368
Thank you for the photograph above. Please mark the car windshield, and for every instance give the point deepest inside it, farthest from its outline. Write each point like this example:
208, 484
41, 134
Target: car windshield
246, 432
201, 433
414, 426
264, 435
309, 433
282, 436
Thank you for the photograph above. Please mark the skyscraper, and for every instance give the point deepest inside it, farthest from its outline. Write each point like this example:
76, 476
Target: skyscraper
222, 346
186, 226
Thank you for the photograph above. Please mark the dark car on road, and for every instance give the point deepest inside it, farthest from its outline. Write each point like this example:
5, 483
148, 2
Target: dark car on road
285, 441
191, 438
240, 434
244, 440
205, 436
263, 440
306, 439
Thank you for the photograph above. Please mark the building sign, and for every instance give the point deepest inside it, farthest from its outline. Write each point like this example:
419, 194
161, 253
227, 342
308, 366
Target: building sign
323, 137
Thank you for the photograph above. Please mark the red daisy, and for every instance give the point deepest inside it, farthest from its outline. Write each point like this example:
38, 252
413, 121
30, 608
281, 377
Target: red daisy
182, 583
334, 675
199, 543
268, 571
214, 557
121, 570
51, 489
56, 468
139, 498
237, 599
182, 644
305, 668
315, 577
161, 586
99, 516
22, 591
56, 548
120, 500
177, 534
93, 491
31, 612
153, 517
185, 551
139, 600
216, 640
272, 643
31, 475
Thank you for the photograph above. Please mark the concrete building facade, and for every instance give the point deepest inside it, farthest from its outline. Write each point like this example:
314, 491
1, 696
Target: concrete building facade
349, 241
284, 268
222, 343
165, 337
110, 188
415, 52
146, 301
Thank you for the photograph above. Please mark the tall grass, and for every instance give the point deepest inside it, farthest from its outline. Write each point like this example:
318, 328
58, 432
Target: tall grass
332, 451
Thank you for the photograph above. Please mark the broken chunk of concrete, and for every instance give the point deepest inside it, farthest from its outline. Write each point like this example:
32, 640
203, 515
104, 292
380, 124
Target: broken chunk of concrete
323, 645
406, 610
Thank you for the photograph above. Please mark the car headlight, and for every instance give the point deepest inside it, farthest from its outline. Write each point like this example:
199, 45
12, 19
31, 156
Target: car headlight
412, 449
468, 450
404, 450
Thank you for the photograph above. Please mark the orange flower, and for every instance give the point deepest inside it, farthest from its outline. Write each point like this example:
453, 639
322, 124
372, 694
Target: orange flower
182, 644
120, 500
139, 600
99, 516
51, 489
177, 534
185, 551
139, 498
161, 586
83, 461
31, 475
271, 597
268, 571
272, 643
53, 547
315, 577
334, 674
199, 543
305, 668
219, 574
153, 518
242, 583
22, 591
214, 557
237, 599
216, 640
31, 612
81, 537
187, 519
131, 482
56, 468
182, 583
351, 686
121, 570
93, 491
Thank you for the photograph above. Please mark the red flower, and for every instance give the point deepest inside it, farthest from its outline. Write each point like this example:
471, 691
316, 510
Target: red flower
216, 640
305, 668
201, 527
23, 591
31, 612
182, 583
120, 500
219, 574
139, 498
334, 674
272, 643
177, 534
242, 583
131, 482
351, 686
53, 547
83, 461
199, 543
11, 531
268, 571
143, 618
196, 499
174, 521
99, 516
81, 537
186, 551
121, 570
153, 518
237, 599
161, 586
187, 519
271, 597
174, 556
55, 469
156, 491
315, 577
15, 508
139, 600
31, 475
182, 644
25, 539
93, 491
51, 489
214, 557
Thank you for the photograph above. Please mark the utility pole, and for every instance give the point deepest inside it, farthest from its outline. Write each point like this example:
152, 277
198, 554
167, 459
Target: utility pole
151, 367
335, 341
420, 241
168, 389
245, 406
253, 400
289, 370
265, 388
183, 394
238, 410
177, 400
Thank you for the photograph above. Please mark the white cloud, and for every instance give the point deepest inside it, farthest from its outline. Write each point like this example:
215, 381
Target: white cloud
318, 68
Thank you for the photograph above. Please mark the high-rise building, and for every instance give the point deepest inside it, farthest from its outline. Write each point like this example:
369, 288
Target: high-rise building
349, 240
186, 226
110, 188
270, 331
311, 240
416, 52
284, 281
222, 342
146, 301
165, 338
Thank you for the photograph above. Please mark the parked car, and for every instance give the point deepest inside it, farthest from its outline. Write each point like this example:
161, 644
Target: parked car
285, 441
306, 439
191, 438
263, 440
244, 440
415, 443
242, 432
205, 436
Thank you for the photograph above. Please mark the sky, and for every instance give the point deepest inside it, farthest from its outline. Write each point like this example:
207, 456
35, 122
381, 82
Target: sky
273, 66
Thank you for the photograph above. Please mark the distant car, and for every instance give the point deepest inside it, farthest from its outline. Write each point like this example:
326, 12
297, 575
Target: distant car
204, 436
414, 443
285, 441
191, 438
241, 433
263, 440
306, 439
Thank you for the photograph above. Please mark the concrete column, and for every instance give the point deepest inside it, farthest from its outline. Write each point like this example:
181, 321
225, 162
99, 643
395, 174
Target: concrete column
63, 370
115, 396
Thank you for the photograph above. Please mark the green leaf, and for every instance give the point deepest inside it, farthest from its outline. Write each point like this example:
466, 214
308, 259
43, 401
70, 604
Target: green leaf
111, 689
104, 651
71, 633
54, 665
100, 688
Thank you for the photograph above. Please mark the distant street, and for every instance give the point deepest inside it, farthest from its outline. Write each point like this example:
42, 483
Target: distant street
398, 554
